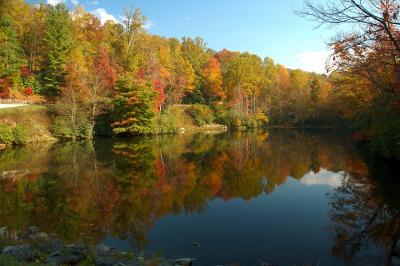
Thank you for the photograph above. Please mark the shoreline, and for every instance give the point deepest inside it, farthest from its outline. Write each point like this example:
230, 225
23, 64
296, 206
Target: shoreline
33, 247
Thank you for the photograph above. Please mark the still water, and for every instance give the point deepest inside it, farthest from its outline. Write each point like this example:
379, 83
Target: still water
282, 197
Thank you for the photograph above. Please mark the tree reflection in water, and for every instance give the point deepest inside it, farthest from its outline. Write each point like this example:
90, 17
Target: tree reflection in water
89, 190
364, 213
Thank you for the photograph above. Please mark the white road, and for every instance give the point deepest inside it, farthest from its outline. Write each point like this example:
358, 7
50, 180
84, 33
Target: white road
3, 106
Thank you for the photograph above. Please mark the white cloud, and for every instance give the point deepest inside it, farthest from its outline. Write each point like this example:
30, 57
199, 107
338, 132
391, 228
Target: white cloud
323, 177
93, 2
104, 16
313, 61
148, 24
54, 2
75, 2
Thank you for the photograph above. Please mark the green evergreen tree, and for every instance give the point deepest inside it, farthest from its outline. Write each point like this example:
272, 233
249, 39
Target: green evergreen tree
133, 108
59, 40
10, 51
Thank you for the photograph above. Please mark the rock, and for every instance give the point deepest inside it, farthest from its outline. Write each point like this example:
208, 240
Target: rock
77, 250
30, 232
184, 261
55, 258
50, 245
108, 261
11, 250
3, 232
72, 259
33, 230
103, 249
196, 244
59, 258
22, 253
141, 260
42, 236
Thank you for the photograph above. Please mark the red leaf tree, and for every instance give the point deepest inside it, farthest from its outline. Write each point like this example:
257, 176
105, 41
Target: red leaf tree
4, 88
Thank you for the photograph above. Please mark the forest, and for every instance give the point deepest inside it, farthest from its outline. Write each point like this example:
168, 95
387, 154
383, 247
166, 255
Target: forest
117, 79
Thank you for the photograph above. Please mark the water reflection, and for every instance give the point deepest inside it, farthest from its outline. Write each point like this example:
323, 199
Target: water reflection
94, 191
323, 177
365, 217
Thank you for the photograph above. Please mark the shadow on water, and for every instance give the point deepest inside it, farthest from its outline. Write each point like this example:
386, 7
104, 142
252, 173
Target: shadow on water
124, 192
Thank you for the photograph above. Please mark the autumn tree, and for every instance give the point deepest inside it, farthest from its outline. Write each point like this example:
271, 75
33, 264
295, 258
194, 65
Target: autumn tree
225, 57
131, 38
194, 52
182, 80
212, 81
33, 42
243, 83
100, 82
369, 55
72, 114
269, 81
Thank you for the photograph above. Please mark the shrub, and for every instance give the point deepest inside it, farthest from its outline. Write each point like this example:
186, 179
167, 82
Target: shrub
250, 122
21, 135
229, 118
85, 131
262, 119
25, 71
6, 134
60, 128
236, 123
17, 135
167, 123
4, 88
201, 114
70, 124
223, 115
256, 121
28, 91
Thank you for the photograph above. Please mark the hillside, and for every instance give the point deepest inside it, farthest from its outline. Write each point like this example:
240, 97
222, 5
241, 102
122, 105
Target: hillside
185, 123
34, 118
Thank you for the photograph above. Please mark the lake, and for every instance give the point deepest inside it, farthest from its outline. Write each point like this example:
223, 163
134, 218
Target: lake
283, 197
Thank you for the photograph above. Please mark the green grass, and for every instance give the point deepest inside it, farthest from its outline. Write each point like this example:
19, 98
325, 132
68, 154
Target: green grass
25, 114
10, 261
24, 109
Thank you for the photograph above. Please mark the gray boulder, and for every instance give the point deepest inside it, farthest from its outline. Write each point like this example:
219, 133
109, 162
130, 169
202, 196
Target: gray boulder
184, 261
22, 253
3, 232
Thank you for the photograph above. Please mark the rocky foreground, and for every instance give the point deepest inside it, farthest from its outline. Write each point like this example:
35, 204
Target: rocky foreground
33, 246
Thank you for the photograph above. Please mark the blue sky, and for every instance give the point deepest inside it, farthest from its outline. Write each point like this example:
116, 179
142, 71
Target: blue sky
263, 27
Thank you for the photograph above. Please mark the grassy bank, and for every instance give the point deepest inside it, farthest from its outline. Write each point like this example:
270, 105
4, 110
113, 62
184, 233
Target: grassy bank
33, 123
185, 122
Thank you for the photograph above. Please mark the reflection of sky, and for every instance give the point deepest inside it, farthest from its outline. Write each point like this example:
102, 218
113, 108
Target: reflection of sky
286, 227
323, 177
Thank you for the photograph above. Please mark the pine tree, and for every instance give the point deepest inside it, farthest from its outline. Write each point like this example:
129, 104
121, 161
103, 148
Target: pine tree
59, 40
133, 107
10, 51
